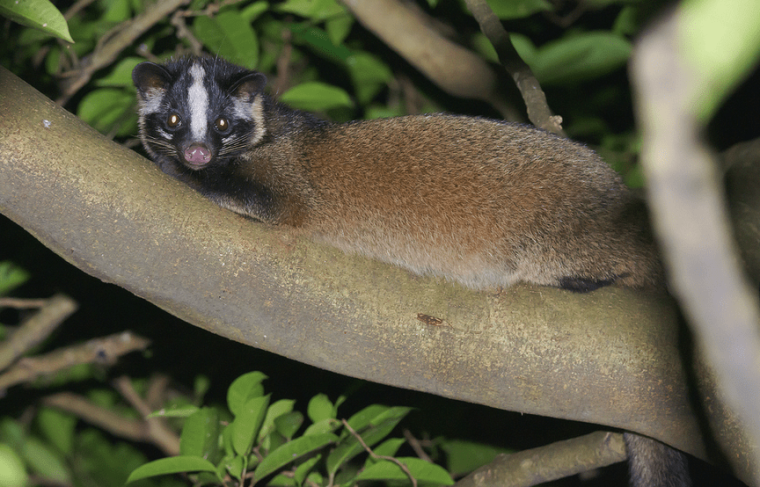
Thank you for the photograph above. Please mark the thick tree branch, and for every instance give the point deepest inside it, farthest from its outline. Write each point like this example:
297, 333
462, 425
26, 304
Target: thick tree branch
691, 221
453, 68
609, 357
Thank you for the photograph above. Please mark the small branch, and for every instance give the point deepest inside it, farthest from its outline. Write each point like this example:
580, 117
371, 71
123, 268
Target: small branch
123, 37
550, 462
114, 423
178, 21
535, 99
158, 431
100, 350
20, 303
35, 329
379, 457
415, 444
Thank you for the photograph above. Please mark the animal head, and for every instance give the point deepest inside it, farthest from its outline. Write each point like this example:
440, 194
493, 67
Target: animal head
198, 113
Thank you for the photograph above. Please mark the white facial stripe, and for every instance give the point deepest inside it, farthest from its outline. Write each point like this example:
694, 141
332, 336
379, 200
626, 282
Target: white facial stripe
257, 113
197, 98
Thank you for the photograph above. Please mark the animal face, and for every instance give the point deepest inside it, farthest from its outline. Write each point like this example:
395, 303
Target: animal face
198, 113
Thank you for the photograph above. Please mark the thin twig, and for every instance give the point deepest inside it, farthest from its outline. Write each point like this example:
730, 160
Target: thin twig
538, 109
160, 433
106, 419
100, 350
114, 423
21, 303
415, 444
178, 21
35, 329
379, 457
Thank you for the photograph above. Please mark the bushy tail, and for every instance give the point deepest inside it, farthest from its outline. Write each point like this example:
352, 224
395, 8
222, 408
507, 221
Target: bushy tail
653, 464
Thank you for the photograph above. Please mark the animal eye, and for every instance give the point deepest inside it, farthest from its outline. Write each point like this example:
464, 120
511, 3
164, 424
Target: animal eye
173, 121
221, 124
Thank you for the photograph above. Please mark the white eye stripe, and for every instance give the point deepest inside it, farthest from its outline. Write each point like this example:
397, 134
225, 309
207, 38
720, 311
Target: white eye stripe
257, 115
241, 109
151, 102
198, 101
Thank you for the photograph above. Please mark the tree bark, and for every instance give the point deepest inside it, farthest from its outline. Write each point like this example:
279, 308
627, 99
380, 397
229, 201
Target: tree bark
608, 357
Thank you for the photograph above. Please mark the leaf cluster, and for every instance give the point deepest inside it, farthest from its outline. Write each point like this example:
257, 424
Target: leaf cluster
262, 443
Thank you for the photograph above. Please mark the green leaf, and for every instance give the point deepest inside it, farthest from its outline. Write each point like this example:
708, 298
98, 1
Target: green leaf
234, 465
118, 11
377, 427
517, 9
230, 36
44, 461
580, 57
53, 60
302, 471
327, 425
339, 27
106, 107
121, 74
276, 410
320, 407
289, 423
316, 96
291, 451
524, 47
253, 11
11, 276
319, 41
247, 424
316, 10
421, 470
483, 46
281, 480
362, 419
169, 465
12, 472
57, 427
38, 14
200, 434
244, 388
720, 41
388, 448
381, 111
466, 456
369, 75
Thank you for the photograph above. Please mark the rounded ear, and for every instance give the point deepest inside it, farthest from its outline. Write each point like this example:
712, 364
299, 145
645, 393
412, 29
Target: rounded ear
249, 85
147, 76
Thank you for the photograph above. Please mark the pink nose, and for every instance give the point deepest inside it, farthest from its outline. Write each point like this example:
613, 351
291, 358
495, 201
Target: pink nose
197, 155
